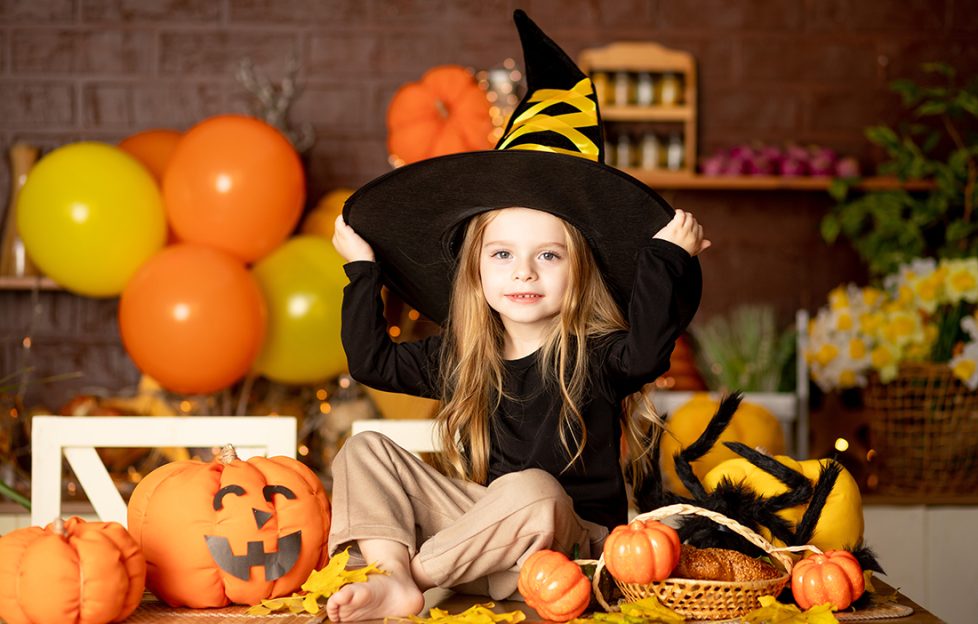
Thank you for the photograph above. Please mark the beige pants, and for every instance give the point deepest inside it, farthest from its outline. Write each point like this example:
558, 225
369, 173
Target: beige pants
466, 536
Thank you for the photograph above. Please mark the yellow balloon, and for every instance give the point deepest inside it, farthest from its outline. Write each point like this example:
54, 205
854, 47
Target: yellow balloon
322, 218
303, 284
90, 215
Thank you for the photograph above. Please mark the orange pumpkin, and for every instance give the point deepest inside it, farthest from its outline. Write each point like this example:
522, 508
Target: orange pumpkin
446, 112
834, 576
641, 552
554, 586
229, 530
70, 572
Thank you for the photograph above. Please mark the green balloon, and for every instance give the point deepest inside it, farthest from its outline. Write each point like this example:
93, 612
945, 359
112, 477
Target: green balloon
303, 284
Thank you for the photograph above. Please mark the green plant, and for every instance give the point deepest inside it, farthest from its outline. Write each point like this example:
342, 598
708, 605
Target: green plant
745, 351
889, 228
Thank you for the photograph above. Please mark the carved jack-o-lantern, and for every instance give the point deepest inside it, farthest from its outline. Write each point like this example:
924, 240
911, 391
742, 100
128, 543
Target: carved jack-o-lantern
229, 530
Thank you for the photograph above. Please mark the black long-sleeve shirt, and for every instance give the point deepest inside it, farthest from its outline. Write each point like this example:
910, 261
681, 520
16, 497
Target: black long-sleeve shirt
524, 430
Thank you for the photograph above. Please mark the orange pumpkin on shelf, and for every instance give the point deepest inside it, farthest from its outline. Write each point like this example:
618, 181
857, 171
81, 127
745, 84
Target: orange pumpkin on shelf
641, 552
230, 530
70, 572
834, 576
554, 586
445, 112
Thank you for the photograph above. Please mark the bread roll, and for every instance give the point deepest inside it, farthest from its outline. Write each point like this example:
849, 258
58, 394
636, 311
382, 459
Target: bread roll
720, 564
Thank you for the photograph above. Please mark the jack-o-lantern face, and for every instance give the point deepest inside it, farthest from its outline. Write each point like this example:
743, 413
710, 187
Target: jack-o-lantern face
277, 562
229, 530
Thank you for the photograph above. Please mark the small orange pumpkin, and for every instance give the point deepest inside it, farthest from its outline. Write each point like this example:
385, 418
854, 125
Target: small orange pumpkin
641, 552
554, 586
834, 576
446, 112
70, 572
229, 530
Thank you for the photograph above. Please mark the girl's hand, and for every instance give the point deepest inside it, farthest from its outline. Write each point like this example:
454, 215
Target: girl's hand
684, 231
349, 244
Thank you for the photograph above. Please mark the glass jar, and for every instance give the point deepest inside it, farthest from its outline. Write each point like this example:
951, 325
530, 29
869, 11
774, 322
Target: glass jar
623, 89
623, 151
650, 152
674, 152
600, 81
644, 90
670, 90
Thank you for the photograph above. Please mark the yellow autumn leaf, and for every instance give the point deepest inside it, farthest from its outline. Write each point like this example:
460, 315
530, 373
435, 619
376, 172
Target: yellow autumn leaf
868, 581
276, 604
773, 612
320, 584
310, 604
476, 614
649, 608
645, 611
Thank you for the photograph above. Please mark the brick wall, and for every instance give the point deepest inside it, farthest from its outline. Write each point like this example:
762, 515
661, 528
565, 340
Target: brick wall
773, 70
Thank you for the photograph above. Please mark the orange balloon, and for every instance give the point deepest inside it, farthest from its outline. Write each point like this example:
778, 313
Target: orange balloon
193, 318
153, 148
234, 183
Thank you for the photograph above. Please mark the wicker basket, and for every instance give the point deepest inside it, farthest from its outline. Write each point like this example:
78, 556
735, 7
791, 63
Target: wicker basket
704, 599
924, 427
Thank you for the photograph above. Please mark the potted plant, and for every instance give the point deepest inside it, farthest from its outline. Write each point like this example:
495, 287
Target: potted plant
911, 340
890, 227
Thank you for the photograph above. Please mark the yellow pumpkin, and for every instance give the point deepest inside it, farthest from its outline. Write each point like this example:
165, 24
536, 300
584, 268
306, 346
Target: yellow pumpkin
752, 425
841, 523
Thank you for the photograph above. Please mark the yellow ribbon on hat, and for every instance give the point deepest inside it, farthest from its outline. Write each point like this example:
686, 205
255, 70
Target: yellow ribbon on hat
534, 120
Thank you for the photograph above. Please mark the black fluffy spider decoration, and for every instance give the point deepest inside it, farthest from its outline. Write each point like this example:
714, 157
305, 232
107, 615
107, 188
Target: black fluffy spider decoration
738, 501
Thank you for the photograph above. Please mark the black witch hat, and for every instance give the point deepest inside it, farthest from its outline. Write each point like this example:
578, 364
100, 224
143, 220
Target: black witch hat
550, 158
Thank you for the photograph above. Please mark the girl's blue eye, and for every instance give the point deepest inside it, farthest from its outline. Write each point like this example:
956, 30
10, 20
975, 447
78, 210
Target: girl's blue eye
501, 254
549, 255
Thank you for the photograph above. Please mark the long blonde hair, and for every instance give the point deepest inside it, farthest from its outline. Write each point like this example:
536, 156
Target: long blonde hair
472, 362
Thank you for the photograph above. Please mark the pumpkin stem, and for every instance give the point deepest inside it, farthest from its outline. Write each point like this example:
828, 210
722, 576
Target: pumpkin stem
58, 526
227, 454
442, 109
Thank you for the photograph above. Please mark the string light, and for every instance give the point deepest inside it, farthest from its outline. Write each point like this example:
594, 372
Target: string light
321, 394
303, 450
394, 331
186, 406
344, 382
841, 445
414, 315
325, 407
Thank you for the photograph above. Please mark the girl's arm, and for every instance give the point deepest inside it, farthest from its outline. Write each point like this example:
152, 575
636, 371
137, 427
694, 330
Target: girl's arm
374, 359
642, 354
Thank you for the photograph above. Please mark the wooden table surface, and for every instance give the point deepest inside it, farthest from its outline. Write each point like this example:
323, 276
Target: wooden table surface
455, 603
154, 612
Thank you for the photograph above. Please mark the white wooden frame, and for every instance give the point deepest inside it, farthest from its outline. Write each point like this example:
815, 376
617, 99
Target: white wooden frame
78, 437
416, 435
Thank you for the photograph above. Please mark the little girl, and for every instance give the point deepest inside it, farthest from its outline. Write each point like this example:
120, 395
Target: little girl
532, 256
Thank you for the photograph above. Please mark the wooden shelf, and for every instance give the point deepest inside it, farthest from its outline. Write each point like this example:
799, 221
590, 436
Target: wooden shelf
28, 283
681, 180
646, 113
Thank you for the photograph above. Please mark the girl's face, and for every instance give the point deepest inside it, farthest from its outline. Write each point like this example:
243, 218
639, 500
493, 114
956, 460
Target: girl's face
524, 269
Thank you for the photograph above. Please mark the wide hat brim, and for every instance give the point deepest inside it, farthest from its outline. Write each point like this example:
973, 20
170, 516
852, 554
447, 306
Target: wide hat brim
413, 215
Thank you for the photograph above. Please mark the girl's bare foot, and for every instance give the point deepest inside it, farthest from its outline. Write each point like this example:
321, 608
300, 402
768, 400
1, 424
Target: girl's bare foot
380, 596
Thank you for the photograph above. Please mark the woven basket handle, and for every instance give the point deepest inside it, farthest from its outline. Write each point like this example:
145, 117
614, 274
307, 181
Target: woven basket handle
691, 510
